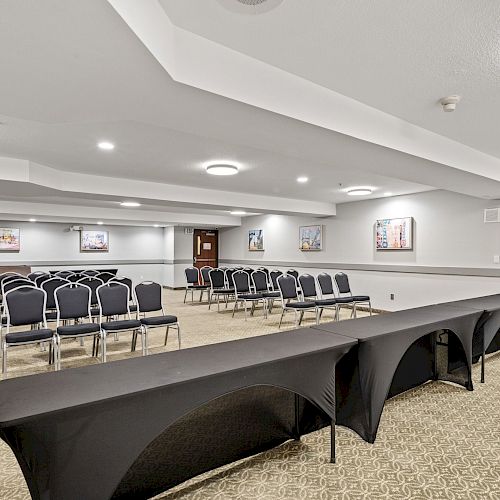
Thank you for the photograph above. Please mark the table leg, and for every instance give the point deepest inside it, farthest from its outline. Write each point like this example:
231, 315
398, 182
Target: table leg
483, 354
297, 418
332, 442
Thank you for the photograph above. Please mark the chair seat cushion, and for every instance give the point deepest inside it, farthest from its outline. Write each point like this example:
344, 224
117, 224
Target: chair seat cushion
78, 329
326, 302
29, 336
51, 315
198, 287
301, 305
250, 296
94, 311
271, 295
159, 320
225, 291
344, 300
361, 298
121, 324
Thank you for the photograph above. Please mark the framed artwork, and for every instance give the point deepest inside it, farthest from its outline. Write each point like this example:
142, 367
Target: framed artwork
94, 241
256, 240
310, 238
10, 239
395, 234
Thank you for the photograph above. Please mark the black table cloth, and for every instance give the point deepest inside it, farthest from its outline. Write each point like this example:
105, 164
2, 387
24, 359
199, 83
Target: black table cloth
486, 335
103, 431
396, 342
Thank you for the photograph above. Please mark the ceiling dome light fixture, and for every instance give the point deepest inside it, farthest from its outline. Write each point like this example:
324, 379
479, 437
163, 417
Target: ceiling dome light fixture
302, 179
32, 220
387, 193
100, 222
106, 146
359, 191
221, 169
130, 204
238, 212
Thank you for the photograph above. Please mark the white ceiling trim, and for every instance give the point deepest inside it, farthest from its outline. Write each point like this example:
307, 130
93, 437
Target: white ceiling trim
196, 61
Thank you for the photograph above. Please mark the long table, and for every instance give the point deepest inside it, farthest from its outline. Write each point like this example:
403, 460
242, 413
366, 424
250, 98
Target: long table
406, 342
133, 428
486, 337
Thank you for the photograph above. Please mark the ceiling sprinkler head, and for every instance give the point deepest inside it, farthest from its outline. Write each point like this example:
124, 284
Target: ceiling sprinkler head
449, 103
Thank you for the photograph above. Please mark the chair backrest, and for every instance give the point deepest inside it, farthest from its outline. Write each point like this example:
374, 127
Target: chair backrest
294, 273
105, 276
325, 284
64, 274
113, 299
35, 275
342, 283
217, 278
11, 277
205, 271
307, 285
90, 272
274, 275
49, 287
25, 306
75, 277
148, 296
9, 273
241, 282
93, 284
10, 285
72, 301
40, 279
260, 281
287, 285
192, 275
124, 281
229, 277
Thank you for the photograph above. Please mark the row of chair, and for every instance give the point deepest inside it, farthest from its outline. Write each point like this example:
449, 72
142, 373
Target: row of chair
27, 305
298, 293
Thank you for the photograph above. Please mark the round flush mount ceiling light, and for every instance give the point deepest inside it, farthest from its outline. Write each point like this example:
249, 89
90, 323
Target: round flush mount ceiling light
32, 220
100, 222
221, 169
302, 179
237, 212
359, 191
130, 204
106, 145
387, 193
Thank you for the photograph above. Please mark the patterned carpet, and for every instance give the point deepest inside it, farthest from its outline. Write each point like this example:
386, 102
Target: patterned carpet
438, 441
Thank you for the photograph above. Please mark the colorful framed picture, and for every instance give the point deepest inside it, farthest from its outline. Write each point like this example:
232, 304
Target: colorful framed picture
394, 234
10, 239
256, 240
94, 241
311, 238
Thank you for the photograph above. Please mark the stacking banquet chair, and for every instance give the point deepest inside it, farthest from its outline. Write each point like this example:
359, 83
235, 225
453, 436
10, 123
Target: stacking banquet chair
128, 283
294, 273
73, 305
75, 277
35, 275
193, 283
49, 287
64, 274
260, 283
344, 289
307, 285
105, 276
40, 279
325, 282
90, 272
274, 275
244, 294
113, 299
290, 300
148, 297
218, 287
93, 284
25, 306
204, 272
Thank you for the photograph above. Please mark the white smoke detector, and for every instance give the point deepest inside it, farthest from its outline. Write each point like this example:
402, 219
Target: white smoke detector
449, 103
250, 6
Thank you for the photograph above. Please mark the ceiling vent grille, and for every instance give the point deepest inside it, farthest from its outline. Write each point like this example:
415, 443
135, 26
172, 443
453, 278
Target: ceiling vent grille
492, 215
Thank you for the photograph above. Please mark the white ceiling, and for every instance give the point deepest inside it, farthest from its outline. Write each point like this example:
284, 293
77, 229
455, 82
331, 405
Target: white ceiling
74, 73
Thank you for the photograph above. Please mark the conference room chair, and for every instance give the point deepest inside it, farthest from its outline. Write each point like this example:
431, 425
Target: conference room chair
113, 300
204, 272
75, 277
294, 273
25, 306
11, 284
33, 276
93, 283
11, 277
260, 281
149, 300
287, 285
128, 283
274, 275
308, 289
73, 305
49, 287
105, 276
40, 279
194, 283
326, 287
244, 294
64, 274
90, 272
344, 289
218, 287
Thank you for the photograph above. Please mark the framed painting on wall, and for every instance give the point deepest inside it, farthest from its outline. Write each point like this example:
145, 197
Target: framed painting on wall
94, 241
256, 240
394, 234
10, 239
310, 238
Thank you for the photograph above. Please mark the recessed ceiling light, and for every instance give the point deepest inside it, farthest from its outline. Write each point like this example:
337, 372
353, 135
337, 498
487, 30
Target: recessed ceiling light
238, 212
130, 204
359, 191
302, 179
388, 194
100, 222
156, 225
221, 169
106, 145
32, 220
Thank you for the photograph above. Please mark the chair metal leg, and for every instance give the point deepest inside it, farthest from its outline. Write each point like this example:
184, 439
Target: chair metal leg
218, 302
209, 300
179, 334
4, 357
103, 346
234, 307
370, 306
166, 336
281, 319
245, 305
185, 295
143, 341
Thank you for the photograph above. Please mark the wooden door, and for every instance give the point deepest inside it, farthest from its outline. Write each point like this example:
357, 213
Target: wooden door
205, 248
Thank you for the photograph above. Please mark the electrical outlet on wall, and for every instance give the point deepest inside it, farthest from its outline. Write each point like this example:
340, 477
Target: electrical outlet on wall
392, 296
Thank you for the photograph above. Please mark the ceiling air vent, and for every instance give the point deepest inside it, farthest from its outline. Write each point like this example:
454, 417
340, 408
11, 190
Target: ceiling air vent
250, 6
492, 215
